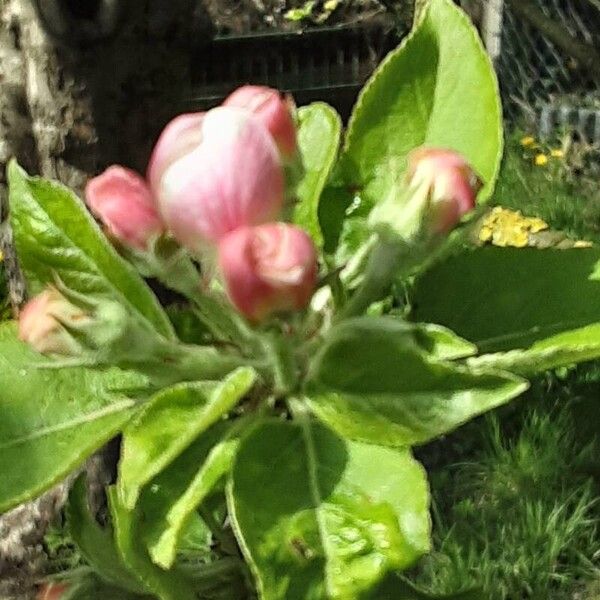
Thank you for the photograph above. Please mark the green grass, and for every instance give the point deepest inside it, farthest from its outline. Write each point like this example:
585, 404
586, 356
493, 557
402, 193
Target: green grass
515, 493
565, 192
519, 517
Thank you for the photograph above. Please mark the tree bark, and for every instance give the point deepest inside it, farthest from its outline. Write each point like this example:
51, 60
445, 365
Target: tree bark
16, 134
594, 3
67, 111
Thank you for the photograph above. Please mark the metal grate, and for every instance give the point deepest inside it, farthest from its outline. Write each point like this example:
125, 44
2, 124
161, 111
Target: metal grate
329, 63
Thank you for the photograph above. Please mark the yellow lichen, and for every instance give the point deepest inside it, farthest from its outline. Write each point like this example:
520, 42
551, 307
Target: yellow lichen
504, 227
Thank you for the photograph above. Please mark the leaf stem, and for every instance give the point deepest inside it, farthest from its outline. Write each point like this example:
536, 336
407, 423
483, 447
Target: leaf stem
225, 538
170, 363
211, 571
175, 269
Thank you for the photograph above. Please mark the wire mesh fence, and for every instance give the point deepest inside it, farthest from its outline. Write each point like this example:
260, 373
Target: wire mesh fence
546, 62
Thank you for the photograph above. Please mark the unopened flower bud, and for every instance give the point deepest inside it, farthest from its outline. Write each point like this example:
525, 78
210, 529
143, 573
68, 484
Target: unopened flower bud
447, 182
52, 591
220, 173
274, 111
121, 199
181, 136
268, 268
42, 319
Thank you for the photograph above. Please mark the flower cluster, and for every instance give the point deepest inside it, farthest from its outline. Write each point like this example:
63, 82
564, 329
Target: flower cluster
215, 183
215, 180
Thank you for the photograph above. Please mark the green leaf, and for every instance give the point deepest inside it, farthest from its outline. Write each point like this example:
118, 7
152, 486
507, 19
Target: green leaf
442, 343
51, 420
333, 209
437, 89
302, 12
511, 298
322, 517
165, 585
56, 236
564, 349
373, 381
319, 132
170, 422
96, 544
175, 494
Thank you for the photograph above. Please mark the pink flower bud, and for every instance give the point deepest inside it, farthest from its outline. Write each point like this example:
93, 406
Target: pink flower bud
448, 180
272, 109
52, 591
268, 268
41, 323
222, 172
121, 199
180, 137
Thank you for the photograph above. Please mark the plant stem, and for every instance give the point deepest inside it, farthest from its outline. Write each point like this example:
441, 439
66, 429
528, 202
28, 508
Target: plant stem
213, 314
223, 324
211, 571
298, 409
280, 350
173, 363
382, 269
226, 539
177, 271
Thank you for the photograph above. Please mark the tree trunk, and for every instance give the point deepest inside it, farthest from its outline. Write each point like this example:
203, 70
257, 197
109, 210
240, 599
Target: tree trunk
595, 4
67, 112
16, 135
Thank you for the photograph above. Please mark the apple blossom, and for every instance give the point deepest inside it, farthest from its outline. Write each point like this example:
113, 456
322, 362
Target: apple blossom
273, 109
448, 181
41, 323
221, 172
52, 591
121, 199
268, 268
181, 136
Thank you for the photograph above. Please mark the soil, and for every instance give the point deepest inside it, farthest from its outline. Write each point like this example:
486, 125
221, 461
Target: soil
245, 16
